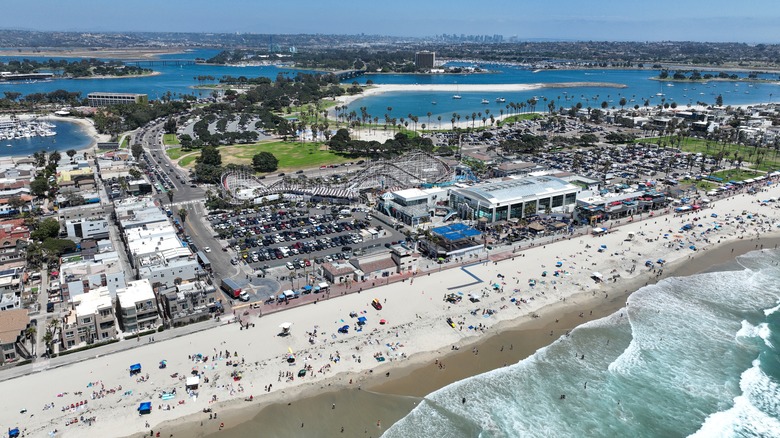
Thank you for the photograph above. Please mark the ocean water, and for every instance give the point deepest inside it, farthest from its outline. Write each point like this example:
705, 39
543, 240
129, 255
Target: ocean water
693, 356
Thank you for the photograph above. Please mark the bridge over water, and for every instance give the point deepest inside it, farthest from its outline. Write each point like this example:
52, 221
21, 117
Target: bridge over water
153, 62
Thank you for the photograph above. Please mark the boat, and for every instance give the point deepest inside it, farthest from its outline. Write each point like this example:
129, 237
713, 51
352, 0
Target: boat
485, 102
500, 100
433, 102
456, 96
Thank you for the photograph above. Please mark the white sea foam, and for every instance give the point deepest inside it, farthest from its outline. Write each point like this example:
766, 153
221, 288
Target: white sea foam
674, 356
755, 411
772, 311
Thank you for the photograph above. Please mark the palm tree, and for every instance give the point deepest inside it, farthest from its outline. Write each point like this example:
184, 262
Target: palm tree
170, 196
183, 214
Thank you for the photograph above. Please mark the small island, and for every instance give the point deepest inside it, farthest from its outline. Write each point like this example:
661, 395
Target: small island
62, 69
697, 76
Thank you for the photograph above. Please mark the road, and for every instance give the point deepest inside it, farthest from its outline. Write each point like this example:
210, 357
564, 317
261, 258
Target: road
151, 138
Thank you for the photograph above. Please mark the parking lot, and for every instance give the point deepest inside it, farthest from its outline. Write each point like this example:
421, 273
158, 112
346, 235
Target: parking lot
298, 237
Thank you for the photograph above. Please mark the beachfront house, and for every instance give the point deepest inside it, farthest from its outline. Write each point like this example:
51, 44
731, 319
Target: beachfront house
13, 325
136, 307
90, 319
188, 302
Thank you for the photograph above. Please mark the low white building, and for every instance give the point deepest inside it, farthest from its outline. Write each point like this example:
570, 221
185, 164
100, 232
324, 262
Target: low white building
514, 198
87, 228
90, 319
136, 307
169, 267
82, 276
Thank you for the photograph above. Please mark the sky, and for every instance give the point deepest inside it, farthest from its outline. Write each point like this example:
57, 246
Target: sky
750, 21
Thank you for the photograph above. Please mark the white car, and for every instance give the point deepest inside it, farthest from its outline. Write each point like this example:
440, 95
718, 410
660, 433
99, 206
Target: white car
207, 249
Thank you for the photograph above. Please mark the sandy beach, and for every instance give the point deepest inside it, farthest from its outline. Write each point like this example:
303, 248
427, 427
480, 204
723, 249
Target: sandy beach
87, 125
104, 397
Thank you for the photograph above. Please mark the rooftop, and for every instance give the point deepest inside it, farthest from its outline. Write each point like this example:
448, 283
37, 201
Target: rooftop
136, 291
12, 322
88, 303
517, 188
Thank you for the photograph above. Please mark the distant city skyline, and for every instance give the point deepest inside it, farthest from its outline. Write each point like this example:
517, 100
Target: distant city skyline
603, 20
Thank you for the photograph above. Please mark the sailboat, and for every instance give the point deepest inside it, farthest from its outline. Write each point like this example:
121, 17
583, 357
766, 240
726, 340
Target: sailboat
456, 95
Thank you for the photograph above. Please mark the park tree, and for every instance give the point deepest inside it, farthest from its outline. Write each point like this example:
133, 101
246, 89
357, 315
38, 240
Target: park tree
54, 157
134, 173
210, 155
589, 139
136, 150
719, 100
170, 126
183, 214
71, 153
265, 162
186, 141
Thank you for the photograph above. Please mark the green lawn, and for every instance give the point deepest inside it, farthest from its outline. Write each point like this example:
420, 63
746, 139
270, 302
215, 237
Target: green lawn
736, 174
170, 139
705, 185
125, 142
291, 155
518, 117
174, 153
711, 148
188, 160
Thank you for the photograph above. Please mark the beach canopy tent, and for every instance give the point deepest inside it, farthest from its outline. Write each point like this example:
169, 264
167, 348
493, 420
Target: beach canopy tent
474, 297
362, 320
145, 408
192, 382
285, 326
307, 287
599, 230
13, 433
323, 285
597, 276
135, 369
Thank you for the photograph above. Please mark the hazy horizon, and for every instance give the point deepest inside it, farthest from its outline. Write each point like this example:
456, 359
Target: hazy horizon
566, 20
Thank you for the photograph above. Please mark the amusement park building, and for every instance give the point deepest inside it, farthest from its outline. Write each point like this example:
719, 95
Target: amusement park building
514, 198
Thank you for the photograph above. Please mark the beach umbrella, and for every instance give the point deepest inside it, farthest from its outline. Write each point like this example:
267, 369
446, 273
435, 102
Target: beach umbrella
603, 247
382, 321
285, 325
559, 264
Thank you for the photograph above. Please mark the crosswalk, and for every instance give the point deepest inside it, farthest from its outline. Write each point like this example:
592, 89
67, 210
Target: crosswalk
190, 202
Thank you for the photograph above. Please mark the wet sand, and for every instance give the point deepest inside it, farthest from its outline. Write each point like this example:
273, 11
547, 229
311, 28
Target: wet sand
389, 399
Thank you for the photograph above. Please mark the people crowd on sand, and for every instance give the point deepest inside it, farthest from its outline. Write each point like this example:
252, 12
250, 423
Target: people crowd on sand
506, 292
